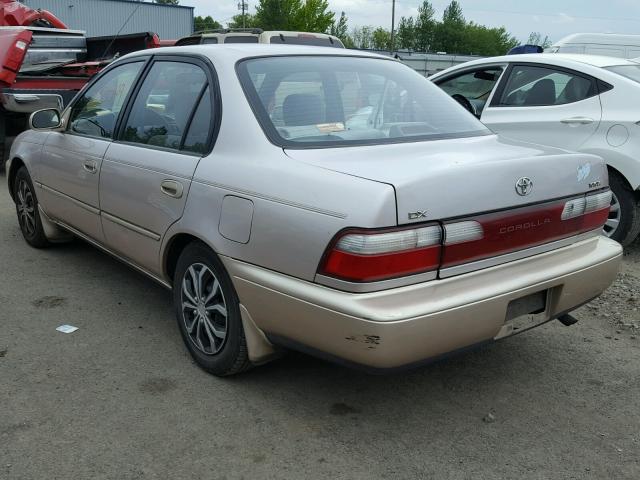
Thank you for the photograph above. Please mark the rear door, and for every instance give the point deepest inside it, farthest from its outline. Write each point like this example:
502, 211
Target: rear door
545, 104
147, 172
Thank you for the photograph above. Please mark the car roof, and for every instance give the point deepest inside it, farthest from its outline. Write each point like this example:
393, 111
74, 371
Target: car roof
600, 39
238, 51
559, 59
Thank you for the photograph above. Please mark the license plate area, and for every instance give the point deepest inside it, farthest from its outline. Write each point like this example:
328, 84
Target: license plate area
524, 313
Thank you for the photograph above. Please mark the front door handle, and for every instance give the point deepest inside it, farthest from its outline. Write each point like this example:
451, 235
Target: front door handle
577, 121
172, 188
90, 166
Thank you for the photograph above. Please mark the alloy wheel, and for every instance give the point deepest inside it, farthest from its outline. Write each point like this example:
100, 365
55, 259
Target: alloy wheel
26, 208
204, 309
613, 221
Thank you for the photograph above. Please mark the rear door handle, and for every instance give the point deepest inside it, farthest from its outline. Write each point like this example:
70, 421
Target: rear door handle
90, 166
172, 188
577, 121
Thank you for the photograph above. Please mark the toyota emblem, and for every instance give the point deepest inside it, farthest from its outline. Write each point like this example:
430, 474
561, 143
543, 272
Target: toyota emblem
524, 185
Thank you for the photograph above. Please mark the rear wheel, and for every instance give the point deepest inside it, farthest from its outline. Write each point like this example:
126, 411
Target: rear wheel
208, 312
623, 224
27, 210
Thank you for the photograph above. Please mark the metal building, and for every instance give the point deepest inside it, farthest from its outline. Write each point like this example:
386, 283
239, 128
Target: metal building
107, 17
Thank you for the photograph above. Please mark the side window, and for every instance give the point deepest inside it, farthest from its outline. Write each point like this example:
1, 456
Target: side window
198, 134
475, 86
530, 86
164, 104
96, 112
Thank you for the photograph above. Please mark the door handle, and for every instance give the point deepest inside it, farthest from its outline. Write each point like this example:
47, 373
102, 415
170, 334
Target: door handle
172, 188
90, 166
577, 121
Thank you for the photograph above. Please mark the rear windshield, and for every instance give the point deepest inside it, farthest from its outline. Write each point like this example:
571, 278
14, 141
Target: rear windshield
321, 101
241, 39
305, 40
629, 71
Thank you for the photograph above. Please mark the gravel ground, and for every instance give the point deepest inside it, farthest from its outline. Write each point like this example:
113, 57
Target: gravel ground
120, 398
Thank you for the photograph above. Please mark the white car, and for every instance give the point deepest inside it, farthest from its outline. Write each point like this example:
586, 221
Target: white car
584, 103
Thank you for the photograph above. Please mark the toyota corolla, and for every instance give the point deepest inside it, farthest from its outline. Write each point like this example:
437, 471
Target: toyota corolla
330, 201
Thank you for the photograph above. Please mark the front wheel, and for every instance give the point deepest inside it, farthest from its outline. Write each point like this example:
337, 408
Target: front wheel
208, 312
623, 224
27, 210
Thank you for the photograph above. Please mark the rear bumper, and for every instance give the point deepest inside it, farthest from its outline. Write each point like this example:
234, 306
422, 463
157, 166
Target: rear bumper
408, 325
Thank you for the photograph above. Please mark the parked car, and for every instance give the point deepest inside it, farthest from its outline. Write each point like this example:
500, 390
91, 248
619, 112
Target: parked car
278, 221
257, 35
604, 44
578, 102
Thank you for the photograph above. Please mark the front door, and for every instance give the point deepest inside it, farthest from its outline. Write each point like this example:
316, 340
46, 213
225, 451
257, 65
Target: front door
546, 105
70, 165
147, 172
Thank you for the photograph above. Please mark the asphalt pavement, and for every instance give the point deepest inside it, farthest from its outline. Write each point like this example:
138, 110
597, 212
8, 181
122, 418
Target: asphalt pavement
121, 399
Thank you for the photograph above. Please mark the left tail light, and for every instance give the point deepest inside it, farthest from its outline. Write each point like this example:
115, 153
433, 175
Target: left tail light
374, 255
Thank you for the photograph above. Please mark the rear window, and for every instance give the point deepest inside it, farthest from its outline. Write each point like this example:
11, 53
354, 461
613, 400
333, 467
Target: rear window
629, 71
241, 39
305, 40
322, 101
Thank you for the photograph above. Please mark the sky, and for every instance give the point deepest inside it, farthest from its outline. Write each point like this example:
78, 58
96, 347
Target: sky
555, 18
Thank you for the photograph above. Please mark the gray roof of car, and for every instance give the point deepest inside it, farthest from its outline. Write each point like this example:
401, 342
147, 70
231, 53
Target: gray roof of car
235, 52
594, 60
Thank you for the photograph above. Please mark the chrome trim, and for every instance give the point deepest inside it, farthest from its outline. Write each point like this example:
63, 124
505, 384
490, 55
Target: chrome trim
106, 250
131, 226
356, 287
520, 254
77, 202
145, 168
281, 201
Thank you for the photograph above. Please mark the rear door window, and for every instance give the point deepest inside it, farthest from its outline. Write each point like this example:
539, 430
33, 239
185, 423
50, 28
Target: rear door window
535, 86
165, 104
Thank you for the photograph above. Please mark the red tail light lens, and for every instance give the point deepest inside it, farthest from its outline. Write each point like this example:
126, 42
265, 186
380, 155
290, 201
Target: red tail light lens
366, 256
374, 255
505, 232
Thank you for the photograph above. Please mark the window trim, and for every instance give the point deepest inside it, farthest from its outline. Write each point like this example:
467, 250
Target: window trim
502, 85
270, 132
141, 59
216, 98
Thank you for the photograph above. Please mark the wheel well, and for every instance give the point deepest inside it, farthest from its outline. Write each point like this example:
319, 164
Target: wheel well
619, 174
176, 246
16, 163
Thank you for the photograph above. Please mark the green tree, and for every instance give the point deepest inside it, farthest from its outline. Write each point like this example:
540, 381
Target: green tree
314, 16
425, 27
278, 14
406, 34
249, 21
362, 37
168, 2
340, 29
450, 34
205, 23
381, 39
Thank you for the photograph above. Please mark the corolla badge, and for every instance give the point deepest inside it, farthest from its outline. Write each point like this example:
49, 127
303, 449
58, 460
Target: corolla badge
584, 171
524, 185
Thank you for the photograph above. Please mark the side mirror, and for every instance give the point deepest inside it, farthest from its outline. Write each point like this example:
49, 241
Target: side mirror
45, 119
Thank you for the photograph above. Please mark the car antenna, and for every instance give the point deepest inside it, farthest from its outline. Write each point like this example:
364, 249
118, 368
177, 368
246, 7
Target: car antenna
120, 31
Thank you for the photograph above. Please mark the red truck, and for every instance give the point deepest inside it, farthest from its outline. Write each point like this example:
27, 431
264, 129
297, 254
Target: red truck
43, 64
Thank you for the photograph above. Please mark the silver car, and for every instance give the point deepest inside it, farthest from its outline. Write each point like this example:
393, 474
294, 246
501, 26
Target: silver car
324, 200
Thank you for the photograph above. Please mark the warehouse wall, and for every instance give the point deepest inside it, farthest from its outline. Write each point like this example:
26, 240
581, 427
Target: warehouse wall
106, 17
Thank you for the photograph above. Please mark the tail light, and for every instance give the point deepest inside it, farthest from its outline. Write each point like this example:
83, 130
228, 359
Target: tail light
373, 255
506, 232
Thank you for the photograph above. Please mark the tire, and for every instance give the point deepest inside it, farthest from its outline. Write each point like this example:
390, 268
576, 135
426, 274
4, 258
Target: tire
27, 210
217, 343
623, 224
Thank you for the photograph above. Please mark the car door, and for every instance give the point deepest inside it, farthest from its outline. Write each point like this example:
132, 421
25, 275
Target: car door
545, 104
69, 169
147, 172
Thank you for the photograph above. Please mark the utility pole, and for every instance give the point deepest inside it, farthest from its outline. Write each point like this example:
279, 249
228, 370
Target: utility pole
243, 6
393, 27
